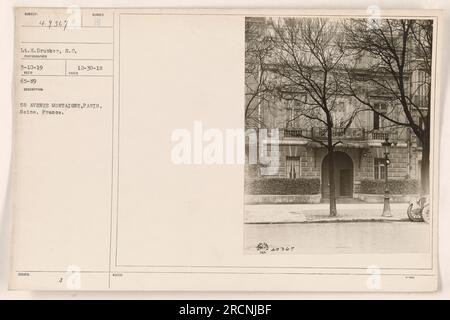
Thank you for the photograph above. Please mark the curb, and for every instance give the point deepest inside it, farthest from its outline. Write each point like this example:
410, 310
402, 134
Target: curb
332, 220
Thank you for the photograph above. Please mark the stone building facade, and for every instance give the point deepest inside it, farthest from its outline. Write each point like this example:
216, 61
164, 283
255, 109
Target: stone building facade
284, 150
292, 157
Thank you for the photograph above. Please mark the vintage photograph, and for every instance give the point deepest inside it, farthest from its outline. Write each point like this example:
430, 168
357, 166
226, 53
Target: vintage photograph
220, 151
338, 118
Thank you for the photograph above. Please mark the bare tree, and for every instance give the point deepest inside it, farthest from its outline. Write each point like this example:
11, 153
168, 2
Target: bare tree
392, 61
306, 60
257, 52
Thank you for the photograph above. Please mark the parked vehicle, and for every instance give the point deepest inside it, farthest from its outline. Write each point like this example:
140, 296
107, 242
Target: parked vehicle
419, 209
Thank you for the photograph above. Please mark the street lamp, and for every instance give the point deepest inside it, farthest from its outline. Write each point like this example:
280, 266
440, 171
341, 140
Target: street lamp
387, 207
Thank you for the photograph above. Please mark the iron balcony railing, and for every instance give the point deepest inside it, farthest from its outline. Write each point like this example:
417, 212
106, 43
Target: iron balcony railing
355, 134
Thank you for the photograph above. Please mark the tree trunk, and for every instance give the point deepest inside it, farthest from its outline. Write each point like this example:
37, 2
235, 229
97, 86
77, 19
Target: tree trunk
333, 210
425, 167
425, 164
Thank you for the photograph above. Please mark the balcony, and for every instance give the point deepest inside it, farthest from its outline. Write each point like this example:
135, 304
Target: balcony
351, 134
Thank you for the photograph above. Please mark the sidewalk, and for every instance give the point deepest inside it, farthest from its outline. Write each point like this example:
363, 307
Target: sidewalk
319, 213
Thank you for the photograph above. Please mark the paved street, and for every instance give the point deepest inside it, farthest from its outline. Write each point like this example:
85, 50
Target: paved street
340, 237
358, 228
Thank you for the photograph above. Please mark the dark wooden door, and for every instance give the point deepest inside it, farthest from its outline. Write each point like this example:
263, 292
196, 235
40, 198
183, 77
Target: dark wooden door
343, 176
346, 183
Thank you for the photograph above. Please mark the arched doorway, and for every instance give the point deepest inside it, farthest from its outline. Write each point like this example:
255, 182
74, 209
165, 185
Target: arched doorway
343, 175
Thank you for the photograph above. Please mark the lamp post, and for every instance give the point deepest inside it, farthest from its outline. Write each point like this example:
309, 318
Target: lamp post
387, 207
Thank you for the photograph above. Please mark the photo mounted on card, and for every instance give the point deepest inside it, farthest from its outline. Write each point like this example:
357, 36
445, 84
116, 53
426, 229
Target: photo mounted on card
226, 150
338, 119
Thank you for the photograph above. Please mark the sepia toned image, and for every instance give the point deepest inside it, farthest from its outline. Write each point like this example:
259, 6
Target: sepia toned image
338, 117
225, 150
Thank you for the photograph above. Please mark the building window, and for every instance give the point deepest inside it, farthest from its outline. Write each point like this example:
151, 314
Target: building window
293, 117
379, 168
293, 112
339, 114
293, 167
378, 120
420, 87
